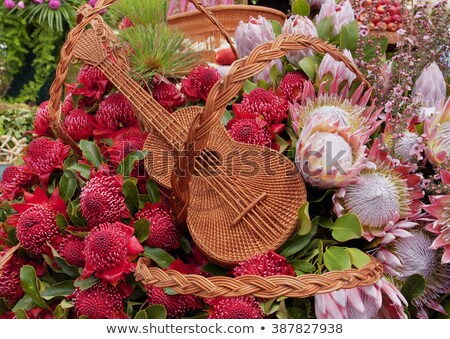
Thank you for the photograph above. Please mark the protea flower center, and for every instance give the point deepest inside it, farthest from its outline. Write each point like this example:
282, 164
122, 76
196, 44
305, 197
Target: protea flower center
98, 302
334, 113
105, 247
403, 146
36, 226
376, 198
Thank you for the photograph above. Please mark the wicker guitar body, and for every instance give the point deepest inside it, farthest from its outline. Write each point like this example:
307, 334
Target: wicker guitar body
238, 192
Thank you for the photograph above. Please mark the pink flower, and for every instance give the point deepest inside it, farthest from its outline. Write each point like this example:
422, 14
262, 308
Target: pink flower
54, 4
299, 25
199, 82
264, 265
341, 14
337, 68
167, 94
9, 4
431, 86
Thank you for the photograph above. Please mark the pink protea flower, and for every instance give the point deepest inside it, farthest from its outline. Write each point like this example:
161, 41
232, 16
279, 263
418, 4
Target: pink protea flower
438, 209
381, 301
342, 14
338, 106
102, 200
292, 86
302, 25
71, 249
14, 181
176, 305
234, 308
99, 302
262, 103
163, 233
167, 94
414, 255
337, 68
109, 251
264, 265
114, 113
199, 82
329, 155
437, 130
43, 156
431, 86
41, 121
36, 220
10, 283
79, 124
381, 197
250, 131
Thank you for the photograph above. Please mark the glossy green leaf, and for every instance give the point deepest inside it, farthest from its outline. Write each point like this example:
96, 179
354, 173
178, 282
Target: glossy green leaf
68, 185
30, 285
21, 314
337, 259
84, 284
92, 153
153, 191
303, 265
127, 164
347, 228
215, 269
277, 28
413, 287
70, 270
159, 256
61, 289
61, 222
304, 219
142, 229
359, 258
185, 244
83, 169
131, 193
349, 36
156, 312
325, 28
249, 86
301, 7
298, 242
309, 66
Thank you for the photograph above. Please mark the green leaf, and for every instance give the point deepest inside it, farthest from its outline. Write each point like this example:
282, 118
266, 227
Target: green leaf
25, 303
277, 28
73, 209
21, 314
83, 169
215, 270
349, 36
304, 219
159, 256
61, 222
70, 270
282, 143
84, 284
325, 28
156, 312
303, 265
275, 75
337, 259
30, 285
370, 47
142, 229
298, 242
359, 258
249, 86
61, 289
347, 228
153, 191
413, 287
68, 185
131, 194
127, 164
62, 310
282, 312
326, 222
301, 7
309, 65
141, 315
185, 244
92, 153
227, 116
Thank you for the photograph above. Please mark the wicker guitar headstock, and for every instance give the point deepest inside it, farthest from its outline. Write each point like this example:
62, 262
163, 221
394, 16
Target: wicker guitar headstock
90, 48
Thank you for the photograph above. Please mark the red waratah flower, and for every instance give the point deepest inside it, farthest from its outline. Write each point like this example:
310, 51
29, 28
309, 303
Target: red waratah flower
41, 121
163, 233
79, 124
109, 251
115, 112
83, 103
176, 305
14, 180
125, 23
265, 104
99, 302
167, 94
43, 156
124, 142
292, 86
71, 249
94, 82
250, 131
235, 308
10, 284
102, 200
36, 220
264, 265
197, 85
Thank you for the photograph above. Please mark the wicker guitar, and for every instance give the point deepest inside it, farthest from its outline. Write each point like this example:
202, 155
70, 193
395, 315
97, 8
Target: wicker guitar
250, 181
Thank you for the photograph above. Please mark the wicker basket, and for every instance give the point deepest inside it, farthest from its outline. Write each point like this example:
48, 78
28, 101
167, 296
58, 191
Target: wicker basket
203, 124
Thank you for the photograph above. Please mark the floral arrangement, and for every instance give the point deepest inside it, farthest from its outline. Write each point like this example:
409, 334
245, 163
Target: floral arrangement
375, 163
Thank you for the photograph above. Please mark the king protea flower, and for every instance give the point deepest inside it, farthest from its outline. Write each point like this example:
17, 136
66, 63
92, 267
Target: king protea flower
329, 155
264, 265
234, 308
413, 255
35, 220
250, 35
350, 112
431, 86
110, 249
299, 25
341, 14
337, 68
439, 208
379, 301
382, 198
437, 130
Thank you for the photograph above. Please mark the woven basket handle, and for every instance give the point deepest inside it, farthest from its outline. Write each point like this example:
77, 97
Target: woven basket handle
225, 90
85, 16
202, 8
